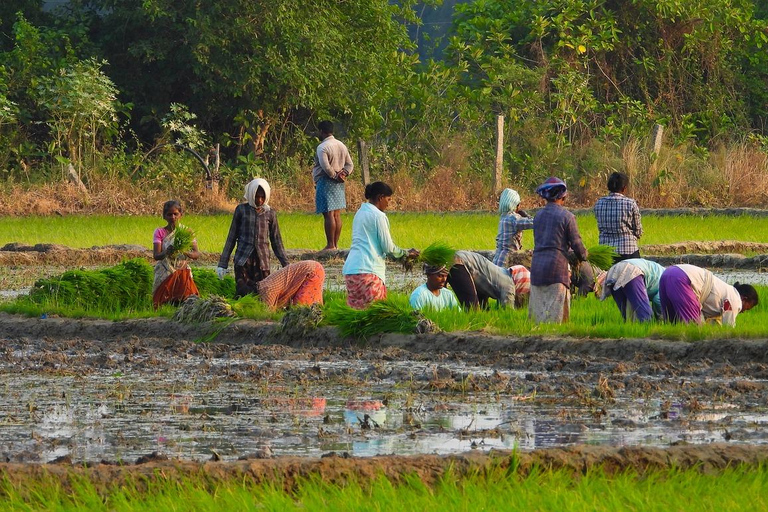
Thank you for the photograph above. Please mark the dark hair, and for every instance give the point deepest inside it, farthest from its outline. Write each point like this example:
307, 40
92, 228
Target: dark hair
747, 291
326, 127
617, 181
172, 204
376, 189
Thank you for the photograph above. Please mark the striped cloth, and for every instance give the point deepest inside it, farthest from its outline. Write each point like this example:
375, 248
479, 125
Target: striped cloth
362, 289
298, 283
522, 278
329, 195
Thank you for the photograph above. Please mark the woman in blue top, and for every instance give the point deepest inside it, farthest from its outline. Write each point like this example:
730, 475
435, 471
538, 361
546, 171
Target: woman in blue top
365, 266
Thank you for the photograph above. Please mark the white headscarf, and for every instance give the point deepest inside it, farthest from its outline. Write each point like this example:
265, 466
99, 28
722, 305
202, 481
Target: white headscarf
250, 192
508, 201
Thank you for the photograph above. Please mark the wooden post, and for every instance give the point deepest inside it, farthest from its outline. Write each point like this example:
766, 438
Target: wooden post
362, 156
499, 169
656, 137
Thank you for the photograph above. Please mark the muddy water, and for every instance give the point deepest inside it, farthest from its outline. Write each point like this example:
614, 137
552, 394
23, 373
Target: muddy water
122, 399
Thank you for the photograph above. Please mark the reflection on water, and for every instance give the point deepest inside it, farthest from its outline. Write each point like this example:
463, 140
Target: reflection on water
121, 417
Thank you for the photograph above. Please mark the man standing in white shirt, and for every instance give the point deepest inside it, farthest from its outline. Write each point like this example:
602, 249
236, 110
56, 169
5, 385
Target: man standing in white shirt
332, 166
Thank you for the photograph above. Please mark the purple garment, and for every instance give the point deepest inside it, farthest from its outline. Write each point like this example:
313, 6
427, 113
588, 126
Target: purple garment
554, 233
678, 301
635, 293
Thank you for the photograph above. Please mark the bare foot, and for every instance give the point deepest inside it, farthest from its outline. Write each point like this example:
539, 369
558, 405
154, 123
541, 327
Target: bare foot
328, 248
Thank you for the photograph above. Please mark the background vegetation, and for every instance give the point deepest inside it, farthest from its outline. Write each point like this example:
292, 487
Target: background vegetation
108, 86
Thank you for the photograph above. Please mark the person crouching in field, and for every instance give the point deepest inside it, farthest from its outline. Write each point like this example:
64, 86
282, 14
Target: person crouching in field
254, 227
634, 285
554, 233
511, 225
365, 266
693, 294
433, 294
475, 279
173, 278
618, 219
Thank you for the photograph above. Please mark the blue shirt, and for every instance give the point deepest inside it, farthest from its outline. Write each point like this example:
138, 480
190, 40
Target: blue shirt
371, 243
423, 298
510, 237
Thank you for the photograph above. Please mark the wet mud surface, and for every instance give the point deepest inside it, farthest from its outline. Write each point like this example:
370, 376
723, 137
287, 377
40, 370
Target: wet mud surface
90, 391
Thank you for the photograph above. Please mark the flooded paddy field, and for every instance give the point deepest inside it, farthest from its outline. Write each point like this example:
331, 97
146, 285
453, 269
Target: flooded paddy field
116, 391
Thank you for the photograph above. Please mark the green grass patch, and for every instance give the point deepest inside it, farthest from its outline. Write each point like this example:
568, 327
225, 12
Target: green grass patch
496, 488
305, 231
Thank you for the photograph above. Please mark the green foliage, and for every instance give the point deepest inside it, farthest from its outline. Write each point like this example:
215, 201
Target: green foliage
127, 286
379, 317
601, 256
208, 283
182, 239
438, 254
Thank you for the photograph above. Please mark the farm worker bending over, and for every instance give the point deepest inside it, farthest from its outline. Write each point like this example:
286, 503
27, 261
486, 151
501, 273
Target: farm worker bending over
554, 233
254, 226
173, 278
364, 268
332, 166
693, 294
634, 285
618, 219
433, 294
511, 225
475, 279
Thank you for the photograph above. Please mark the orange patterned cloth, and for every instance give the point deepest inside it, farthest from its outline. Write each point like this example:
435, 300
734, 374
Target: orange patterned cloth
362, 289
175, 288
298, 283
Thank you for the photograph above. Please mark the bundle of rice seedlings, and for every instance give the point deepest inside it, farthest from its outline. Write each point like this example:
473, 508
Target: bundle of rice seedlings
601, 256
208, 283
381, 316
124, 286
182, 239
197, 310
301, 320
438, 254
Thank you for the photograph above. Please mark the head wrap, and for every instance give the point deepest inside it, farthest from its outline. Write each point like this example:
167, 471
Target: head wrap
552, 189
508, 201
250, 192
435, 269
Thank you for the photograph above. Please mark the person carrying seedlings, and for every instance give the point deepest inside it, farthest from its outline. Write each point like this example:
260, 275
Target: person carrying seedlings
554, 233
364, 268
618, 219
634, 285
172, 246
511, 225
433, 294
475, 279
332, 166
692, 294
254, 227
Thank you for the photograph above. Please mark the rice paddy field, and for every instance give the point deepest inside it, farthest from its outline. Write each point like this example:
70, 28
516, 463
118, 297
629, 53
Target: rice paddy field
473, 231
119, 407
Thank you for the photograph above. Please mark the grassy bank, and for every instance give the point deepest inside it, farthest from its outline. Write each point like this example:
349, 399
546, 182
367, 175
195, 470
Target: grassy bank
304, 231
744, 488
590, 318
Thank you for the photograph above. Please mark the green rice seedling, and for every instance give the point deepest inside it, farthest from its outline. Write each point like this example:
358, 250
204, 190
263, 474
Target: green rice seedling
208, 283
124, 286
182, 239
251, 307
438, 254
601, 256
379, 317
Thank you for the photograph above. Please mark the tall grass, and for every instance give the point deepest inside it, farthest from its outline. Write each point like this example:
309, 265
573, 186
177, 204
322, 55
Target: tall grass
304, 231
733, 489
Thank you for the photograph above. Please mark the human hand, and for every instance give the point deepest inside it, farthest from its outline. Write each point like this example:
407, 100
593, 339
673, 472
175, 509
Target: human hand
413, 253
221, 272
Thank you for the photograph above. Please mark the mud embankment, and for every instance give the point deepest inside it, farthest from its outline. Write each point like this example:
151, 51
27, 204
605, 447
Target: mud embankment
717, 254
436, 346
338, 469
